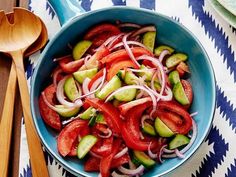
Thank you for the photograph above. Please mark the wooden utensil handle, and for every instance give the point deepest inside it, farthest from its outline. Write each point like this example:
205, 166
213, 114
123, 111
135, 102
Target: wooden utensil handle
39, 168
6, 122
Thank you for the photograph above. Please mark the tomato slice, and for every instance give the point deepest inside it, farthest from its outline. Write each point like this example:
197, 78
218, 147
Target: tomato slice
68, 135
115, 67
97, 75
105, 163
101, 32
174, 116
124, 108
188, 90
182, 68
50, 117
131, 129
93, 163
69, 65
103, 147
111, 113
122, 54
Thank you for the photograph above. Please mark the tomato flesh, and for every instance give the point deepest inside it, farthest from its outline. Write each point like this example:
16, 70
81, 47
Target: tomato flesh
68, 65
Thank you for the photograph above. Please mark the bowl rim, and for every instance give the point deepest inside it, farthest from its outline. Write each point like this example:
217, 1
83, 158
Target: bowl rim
84, 15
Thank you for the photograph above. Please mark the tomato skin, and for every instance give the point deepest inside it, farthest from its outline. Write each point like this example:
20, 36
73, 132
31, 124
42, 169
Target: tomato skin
115, 67
103, 147
122, 54
174, 116
100, 33
50, 117
111, 113
68, 135
124, 108
131, 129
188, 90
68, 65
182, 68
105, 163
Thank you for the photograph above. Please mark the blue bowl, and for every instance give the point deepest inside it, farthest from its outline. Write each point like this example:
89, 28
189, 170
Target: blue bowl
169, 32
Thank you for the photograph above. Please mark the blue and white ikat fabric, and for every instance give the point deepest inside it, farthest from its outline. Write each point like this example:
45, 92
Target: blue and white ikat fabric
217, 155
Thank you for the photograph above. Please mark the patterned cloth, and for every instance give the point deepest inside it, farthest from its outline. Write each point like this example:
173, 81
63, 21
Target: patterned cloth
216, 157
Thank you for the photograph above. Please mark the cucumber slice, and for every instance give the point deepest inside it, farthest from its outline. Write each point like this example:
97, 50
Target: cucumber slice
130, 78
92, 121
85, 145
157, 85
70, 89
80, 48
66, 112
162, 129
174, 77
90, 112
159, 49
121, 74
100, 119
149, 40
126, 95
179, 94
111, 86
149, 129
178, 141
175, 59
148, 74
144, 159
81, 75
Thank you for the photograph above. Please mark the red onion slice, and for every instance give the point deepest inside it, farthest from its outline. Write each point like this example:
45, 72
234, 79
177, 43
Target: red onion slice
144, 30
143, 118
132, 25
85, 88
153, 156
120, 44
61, 97
108, 134
194, 114
134, 172
163, 54
95, 155
179, 154
47, 102
160, 154
129, 51
86, 60
114, 174
121, 153
115, 39
55, 75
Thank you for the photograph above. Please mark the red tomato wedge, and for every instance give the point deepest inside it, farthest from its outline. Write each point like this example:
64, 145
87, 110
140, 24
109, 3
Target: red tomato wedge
122, 54
103, 147
188, 90
115, 67
51, 117
111, 113
68, 136
124, 108
105, 163
131, 129
68, 65
100, 33
174, 116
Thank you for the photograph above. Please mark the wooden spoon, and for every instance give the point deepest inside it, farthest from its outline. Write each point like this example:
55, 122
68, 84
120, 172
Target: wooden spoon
15, 39
8, 108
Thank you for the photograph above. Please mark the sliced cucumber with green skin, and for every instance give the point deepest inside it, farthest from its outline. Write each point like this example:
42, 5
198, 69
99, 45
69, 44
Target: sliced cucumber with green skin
157, 85
100, 119
179, 94
66, 112
80, 48
149, 129
81, 75
86, 143
70, 89
178, 141
135, 160
160, 49
88, 113
111, 86
174, 77
144, 159
149, 40
92, 121
126, 95
147, 73
130, 78
162, 128
175, 59
121, 74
